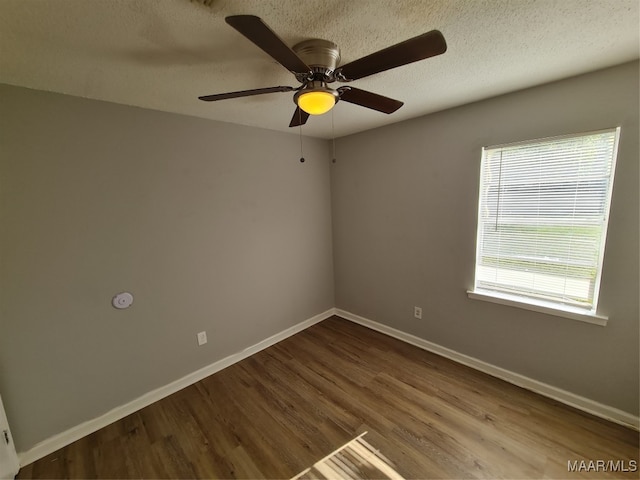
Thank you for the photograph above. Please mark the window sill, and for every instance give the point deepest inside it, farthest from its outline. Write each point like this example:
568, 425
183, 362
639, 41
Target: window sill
540, 307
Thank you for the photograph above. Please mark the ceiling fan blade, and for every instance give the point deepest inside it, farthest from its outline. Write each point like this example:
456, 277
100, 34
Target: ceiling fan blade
259, 33
369, 99
300, 117
244, 93
417, 48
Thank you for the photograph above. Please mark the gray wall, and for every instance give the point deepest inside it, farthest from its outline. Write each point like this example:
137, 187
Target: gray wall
218, 227
404, 222
211, 226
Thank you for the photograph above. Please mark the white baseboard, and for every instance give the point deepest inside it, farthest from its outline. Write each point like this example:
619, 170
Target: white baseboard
568, 398
63, 439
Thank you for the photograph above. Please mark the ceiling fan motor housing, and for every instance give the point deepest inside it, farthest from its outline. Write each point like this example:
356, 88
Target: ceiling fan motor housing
322, 56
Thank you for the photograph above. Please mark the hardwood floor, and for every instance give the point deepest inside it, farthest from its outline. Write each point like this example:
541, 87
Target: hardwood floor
278, 412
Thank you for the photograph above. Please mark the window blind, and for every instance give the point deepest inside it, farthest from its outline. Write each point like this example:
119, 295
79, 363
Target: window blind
542, 217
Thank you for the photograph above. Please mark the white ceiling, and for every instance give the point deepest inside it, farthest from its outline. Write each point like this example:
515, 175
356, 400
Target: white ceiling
163, 54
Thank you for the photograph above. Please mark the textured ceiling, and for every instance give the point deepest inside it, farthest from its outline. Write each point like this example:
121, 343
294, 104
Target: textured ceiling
163, 54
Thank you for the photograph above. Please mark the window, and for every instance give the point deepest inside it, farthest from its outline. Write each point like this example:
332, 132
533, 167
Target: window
542, 220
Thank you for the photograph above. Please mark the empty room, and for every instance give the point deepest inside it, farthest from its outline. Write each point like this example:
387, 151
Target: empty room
319, 239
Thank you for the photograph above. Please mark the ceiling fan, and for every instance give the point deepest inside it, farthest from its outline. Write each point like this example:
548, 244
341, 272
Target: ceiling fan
315, 64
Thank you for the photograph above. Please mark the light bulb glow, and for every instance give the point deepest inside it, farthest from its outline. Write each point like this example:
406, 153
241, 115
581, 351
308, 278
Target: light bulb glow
316, 102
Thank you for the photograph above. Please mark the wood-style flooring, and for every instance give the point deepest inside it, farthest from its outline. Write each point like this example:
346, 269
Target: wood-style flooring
276, 413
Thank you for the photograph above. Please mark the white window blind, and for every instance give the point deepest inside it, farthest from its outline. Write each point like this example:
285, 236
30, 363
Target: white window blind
542, 218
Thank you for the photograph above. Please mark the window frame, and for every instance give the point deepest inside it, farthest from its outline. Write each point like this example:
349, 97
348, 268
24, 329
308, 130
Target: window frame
536, 304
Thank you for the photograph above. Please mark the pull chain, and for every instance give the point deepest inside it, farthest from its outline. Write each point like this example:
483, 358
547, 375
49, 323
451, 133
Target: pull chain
333, 139
300, 131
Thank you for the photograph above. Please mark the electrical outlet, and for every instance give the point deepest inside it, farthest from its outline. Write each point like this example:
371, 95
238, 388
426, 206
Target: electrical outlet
417, 312
202, 338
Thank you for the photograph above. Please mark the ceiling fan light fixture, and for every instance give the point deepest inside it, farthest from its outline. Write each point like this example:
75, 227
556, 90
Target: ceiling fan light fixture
316, 99
316, 102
